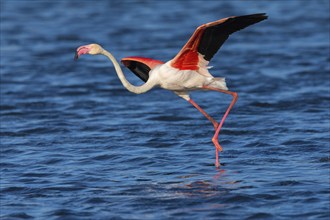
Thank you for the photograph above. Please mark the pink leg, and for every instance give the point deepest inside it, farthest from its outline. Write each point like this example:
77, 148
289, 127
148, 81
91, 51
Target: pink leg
215, 124
216, 134
217, 162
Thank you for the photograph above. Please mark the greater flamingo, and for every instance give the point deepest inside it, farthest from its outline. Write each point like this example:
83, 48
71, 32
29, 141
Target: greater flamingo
188, 70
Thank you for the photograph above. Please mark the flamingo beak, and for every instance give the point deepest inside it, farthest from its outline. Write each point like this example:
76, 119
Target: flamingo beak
80, 51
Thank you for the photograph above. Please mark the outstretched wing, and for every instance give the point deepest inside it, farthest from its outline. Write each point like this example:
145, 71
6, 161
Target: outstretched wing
141, 66
208, 38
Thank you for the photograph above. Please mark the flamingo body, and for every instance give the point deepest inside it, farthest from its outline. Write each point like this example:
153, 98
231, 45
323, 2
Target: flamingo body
188, 70
183, 81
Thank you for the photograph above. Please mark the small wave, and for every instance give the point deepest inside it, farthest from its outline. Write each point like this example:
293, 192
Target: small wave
19, 215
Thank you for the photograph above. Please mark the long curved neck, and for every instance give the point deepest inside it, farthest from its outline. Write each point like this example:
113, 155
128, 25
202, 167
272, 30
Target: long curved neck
135, 89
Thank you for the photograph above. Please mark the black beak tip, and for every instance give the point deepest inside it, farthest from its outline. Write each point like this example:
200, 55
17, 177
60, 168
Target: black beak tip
76, 57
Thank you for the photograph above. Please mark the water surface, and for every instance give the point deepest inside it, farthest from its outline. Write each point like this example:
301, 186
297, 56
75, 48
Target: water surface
76, 145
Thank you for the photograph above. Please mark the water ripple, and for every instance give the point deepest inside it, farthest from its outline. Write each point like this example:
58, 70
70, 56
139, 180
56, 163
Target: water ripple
75, 144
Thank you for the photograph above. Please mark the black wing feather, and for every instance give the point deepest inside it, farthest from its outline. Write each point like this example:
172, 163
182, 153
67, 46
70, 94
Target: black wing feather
214, 36
139, 69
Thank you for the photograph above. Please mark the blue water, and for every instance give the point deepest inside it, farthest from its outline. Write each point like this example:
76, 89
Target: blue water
76, 145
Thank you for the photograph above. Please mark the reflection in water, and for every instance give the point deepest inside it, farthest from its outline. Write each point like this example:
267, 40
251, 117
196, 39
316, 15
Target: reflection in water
219, 184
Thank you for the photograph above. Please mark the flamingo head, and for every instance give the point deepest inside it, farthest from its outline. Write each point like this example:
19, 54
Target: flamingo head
92, 49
